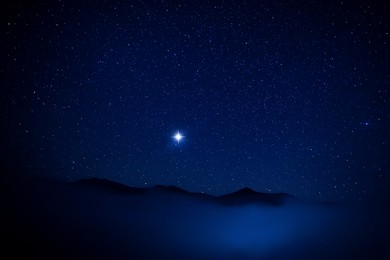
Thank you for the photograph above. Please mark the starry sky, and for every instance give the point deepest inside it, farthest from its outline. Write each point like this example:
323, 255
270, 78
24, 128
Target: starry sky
278, 96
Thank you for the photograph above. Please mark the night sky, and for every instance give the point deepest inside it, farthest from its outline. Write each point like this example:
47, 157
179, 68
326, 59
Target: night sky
279, 96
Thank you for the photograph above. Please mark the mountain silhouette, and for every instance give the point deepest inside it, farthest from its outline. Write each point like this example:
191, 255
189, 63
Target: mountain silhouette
240, 197
247, 195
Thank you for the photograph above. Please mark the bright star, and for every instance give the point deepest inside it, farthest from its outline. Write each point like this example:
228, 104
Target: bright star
178, 136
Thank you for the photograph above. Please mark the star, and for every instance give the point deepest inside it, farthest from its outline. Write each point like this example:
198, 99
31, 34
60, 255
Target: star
178, 136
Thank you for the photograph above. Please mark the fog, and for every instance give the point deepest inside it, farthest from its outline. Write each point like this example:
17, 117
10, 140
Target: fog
54, 219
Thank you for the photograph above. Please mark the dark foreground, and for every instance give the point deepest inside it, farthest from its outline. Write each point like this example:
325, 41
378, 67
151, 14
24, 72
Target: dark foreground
98, 219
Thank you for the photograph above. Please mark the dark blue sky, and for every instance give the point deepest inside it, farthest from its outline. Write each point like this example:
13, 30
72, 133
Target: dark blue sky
284, 96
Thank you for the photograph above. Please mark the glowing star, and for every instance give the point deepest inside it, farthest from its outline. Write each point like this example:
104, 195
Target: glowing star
178, 136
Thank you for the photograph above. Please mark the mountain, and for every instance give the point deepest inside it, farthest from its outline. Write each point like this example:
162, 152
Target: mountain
240, 197
247, 195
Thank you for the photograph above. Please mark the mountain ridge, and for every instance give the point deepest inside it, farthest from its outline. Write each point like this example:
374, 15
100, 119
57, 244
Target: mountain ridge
242, 196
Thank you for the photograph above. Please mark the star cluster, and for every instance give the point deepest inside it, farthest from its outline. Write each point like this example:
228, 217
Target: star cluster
282, 96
